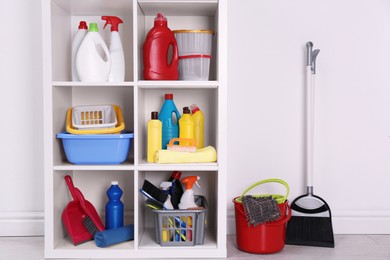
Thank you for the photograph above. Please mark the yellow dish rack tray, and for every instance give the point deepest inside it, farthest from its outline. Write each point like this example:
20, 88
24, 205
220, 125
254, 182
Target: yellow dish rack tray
120, 125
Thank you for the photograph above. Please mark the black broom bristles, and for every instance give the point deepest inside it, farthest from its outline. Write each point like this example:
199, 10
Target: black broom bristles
310, 231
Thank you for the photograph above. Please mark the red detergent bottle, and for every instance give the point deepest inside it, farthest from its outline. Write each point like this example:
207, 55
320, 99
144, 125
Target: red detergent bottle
156, 52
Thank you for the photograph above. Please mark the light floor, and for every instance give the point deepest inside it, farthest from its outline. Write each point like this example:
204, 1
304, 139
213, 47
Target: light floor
348, 247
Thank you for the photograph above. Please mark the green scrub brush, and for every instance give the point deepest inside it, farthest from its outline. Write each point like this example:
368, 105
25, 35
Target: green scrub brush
259, 210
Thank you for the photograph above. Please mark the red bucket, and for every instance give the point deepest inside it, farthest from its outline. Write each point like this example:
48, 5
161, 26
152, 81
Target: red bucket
264, 238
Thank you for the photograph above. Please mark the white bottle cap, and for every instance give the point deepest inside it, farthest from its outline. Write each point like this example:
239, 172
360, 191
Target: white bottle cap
114, 182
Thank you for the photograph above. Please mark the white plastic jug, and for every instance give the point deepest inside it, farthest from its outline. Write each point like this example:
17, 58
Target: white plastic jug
77, 40
93, 60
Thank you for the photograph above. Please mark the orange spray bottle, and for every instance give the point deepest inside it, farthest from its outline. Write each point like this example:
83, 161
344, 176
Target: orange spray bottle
187, 199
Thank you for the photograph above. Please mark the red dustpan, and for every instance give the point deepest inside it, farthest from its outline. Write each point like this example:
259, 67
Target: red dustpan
74, 213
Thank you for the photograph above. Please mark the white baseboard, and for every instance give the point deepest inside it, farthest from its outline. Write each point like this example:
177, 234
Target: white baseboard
21, 223
344, 222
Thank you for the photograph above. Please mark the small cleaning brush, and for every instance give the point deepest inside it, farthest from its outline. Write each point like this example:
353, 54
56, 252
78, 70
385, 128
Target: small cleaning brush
155, 194
259, 210
189, 145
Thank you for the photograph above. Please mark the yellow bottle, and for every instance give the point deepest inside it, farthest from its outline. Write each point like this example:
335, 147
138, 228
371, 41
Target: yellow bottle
186, 126
198, 118
154, 136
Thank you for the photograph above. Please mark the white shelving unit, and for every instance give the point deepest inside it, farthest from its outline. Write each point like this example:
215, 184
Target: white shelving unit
137, 98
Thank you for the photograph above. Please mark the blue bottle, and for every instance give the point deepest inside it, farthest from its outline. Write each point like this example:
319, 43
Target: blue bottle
170, 127
114, 207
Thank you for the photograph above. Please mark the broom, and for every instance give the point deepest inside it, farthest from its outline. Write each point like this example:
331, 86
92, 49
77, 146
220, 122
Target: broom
311, 220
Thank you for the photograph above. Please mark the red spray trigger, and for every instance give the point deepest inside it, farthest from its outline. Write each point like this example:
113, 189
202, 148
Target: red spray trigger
114, 21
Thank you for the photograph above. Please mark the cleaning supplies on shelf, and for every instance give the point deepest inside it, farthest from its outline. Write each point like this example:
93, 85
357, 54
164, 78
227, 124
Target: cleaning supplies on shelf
95, 119
156, 195
188, 147
181, 227
186, 127
72, 217
93, 60
194, 48
187, 201
114, 207
198, 118
96, 148
92, 117
156, 49
77, 39
166, 186
170, 128
154, 136
114, 236
117, 71
80, 217
177, 189
204, 155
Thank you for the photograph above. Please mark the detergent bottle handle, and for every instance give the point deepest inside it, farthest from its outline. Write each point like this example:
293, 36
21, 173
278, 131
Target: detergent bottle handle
175, 54
103, 51
177, 113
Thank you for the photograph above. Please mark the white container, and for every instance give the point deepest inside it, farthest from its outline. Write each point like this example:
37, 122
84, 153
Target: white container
93, 60
194, 41
93, 117
117, 72
194, 67
78, 38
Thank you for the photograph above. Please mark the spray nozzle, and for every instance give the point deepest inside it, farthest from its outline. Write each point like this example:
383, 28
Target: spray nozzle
165, 185
114, 21
190, 181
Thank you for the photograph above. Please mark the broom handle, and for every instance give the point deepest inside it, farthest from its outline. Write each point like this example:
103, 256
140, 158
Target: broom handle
309, 127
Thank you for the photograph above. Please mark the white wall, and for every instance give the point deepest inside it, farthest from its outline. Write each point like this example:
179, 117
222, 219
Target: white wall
21, 159
266, 103
266, 107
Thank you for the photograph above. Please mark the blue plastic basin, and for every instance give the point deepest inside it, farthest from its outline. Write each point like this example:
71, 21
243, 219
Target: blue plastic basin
96, 149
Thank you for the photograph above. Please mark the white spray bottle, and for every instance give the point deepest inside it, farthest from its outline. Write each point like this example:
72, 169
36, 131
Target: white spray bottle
187, 200
165, 186
117, 73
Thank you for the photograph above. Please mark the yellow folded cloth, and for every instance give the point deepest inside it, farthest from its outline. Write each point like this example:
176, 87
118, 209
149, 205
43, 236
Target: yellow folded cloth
207, 154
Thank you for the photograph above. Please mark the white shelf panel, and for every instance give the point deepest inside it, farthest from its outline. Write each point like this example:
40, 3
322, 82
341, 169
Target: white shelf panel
97, 7
177, 84
145, 166
179, 7
126, 166
92, 84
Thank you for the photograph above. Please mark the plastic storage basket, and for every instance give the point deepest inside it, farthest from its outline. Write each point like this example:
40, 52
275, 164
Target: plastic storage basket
91, 117
107, 126
181, 227
96, 149
194, 41
194, 67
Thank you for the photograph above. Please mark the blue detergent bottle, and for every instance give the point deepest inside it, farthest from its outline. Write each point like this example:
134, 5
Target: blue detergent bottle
170, 126
114, 207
